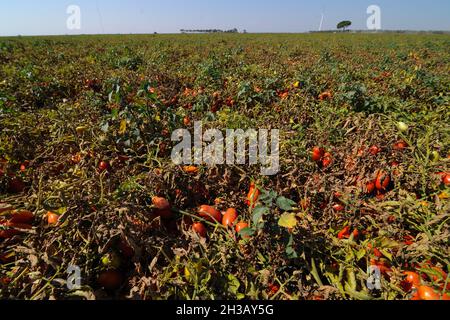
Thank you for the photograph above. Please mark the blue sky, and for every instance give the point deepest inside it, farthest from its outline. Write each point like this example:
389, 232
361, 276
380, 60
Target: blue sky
31, 17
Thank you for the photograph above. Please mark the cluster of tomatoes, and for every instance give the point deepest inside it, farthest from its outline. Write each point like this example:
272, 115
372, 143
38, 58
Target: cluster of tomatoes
415, 284
321, 157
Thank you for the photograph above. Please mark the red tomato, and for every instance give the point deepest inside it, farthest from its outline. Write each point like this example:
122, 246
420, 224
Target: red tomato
446, 179
400, 145
338, 207
374, 150
103, 166
344, 233
370, 187
200, 229
229, 217
327, 160
209, 213
317, 154
383, 180
186, 121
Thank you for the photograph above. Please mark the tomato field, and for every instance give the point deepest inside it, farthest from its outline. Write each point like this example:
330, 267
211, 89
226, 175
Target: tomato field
358, 210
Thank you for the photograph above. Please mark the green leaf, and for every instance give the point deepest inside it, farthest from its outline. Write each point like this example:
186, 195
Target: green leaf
288, 220
285, 204
233, 284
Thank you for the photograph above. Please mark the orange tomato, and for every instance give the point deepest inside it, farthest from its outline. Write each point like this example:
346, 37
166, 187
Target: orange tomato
427, 293
229, 217
160, 203
209, 213
52, 218
253, 195
413, 279
241, 226
190, 169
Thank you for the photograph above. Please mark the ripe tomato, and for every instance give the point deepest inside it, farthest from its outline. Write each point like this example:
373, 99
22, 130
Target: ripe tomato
110, 280
200, 229
344, 233
253, 195
76, 158
374, 150
338, 207
383, 180
209, 213
160, 203
229, 217
103, 166
327, 160
446, 179
427, 293
186, 121
370, 187
413, 279
400, 145
52, 218
241, 226
190, 169
317, 154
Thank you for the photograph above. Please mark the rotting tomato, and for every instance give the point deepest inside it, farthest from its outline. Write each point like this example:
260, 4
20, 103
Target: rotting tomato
200, 229
16, 185
110, 280
209, 213
23, 216
229, 217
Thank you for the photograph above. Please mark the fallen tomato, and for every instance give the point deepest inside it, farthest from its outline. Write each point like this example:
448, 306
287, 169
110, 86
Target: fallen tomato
317, 154
229, 217
200, 229
209, 213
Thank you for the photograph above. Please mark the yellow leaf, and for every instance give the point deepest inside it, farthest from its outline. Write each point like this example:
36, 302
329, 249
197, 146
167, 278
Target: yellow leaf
288, 220
123, 126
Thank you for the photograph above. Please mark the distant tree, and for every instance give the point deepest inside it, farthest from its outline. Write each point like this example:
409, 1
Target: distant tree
344, 24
